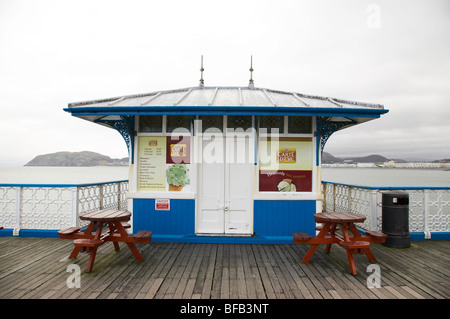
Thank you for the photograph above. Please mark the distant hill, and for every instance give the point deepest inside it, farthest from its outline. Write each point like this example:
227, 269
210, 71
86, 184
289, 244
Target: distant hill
367, 159
327, 158
76, 159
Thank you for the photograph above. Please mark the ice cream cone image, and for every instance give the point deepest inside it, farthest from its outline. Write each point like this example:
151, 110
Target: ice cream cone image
286, 185
177, 177
174, 188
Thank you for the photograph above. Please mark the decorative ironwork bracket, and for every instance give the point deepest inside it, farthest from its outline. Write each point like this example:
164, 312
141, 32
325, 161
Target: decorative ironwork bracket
125, 126
325, 128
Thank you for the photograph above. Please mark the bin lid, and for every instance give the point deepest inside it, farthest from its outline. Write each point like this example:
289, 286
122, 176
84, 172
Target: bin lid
395, 194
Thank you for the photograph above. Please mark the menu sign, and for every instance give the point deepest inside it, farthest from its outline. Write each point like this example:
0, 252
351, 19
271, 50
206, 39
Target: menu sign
163, 163
151, 163
285, 165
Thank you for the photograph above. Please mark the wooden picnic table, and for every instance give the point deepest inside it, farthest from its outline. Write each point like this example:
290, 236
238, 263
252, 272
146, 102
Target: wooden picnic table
93, 237
332, 222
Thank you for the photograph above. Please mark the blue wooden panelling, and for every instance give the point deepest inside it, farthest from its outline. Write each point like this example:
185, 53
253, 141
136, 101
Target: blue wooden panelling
179, 220
284, 217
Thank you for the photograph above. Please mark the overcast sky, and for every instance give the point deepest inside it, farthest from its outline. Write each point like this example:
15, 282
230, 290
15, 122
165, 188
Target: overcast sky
395, 53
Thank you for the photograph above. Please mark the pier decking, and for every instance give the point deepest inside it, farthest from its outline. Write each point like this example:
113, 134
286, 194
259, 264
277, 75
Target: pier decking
36, 268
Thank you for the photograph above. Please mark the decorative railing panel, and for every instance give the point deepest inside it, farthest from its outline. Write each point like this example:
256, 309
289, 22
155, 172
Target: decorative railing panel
429, 207
8, 205
54, 207
45, 208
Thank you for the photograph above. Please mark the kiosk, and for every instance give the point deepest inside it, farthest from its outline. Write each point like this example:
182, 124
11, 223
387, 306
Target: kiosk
225, 164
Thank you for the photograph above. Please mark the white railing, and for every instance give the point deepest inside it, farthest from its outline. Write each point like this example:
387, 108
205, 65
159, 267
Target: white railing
55, 206
429, 207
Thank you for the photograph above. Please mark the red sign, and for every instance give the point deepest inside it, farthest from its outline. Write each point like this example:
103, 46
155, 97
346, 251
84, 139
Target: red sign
178, 150
162, 204
285, 181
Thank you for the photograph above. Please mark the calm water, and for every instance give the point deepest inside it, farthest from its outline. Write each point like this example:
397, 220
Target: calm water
62, 175
387, 176
98, 174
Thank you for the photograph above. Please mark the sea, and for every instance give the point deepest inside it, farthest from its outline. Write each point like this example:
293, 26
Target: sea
378, 177
62, 175
388, 177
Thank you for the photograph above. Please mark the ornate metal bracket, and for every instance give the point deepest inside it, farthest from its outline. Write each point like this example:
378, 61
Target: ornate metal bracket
125, 126
325, 128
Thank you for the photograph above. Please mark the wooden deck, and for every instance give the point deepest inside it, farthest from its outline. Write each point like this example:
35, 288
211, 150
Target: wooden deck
36, 268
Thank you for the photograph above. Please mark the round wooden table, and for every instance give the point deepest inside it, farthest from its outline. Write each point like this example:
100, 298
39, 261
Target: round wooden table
109, 215
333, 221
116, 233
339, 218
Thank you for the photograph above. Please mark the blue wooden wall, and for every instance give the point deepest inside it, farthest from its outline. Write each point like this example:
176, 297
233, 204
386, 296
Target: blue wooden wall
179, 220
284, 217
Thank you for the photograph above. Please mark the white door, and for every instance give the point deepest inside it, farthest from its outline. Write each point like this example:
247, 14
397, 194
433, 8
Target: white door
225, 203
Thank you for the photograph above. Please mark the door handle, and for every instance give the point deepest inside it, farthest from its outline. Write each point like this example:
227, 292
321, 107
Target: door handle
226, 208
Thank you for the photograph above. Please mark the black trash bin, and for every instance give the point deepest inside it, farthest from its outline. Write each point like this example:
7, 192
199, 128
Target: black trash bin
395, 219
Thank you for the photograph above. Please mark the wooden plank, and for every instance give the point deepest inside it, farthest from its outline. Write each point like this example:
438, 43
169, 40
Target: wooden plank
209, 273
33, 268
217, 279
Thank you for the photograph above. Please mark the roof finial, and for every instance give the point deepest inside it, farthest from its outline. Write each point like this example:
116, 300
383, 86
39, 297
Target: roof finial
251, 85
202, 84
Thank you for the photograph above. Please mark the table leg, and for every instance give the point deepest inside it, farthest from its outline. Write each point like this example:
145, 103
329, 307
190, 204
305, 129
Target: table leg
74, 253
351, 262
89, 229
77, 250
111, 231
90, 264
131, 246
313, 247
332, 231
367, 251
135, 251
93, 250
345, 233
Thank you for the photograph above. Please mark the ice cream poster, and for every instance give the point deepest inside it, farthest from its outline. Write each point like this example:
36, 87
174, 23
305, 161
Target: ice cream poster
285, 165
164, 164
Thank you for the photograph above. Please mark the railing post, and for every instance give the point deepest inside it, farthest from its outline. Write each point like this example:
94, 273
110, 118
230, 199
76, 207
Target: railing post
373, 210
349, 199
75, 206
101, 195
334, 197
118, 195
16, 229
426, 229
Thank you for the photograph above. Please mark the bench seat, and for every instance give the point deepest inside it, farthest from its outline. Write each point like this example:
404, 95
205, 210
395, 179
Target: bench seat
69, 231
354, 244
143, 236
376, 234
301, 237
88, 243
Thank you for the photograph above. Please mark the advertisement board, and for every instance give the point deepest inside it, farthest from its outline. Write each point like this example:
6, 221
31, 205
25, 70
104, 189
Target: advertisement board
285, 164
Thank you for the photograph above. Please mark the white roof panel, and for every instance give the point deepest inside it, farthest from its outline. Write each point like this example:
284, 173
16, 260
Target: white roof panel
224, 96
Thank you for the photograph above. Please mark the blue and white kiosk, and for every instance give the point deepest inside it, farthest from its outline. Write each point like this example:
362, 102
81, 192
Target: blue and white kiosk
225, 164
